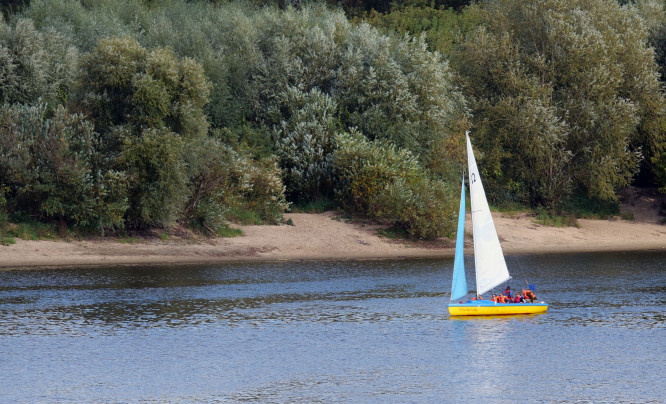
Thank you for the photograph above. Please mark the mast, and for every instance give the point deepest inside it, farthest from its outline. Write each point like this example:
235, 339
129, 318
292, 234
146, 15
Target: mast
490, 266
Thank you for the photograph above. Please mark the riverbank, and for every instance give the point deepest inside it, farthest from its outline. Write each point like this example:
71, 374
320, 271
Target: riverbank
326, 236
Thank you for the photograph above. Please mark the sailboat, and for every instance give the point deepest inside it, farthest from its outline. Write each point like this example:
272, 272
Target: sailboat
490, 266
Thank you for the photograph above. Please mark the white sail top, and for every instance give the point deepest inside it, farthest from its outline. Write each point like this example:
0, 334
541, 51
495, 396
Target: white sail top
489, 261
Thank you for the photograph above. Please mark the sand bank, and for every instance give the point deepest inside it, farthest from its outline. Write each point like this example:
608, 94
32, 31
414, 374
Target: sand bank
326, 237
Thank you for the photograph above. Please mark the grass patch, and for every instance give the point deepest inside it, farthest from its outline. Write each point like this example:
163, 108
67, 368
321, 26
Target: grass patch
555, 219
6, 240
393, 233
33, 230
289, 222
244, 216
316, 206
628, 216
229, 232
509, 207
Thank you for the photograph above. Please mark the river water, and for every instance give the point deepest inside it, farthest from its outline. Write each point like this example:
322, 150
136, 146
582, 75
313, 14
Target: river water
308, 332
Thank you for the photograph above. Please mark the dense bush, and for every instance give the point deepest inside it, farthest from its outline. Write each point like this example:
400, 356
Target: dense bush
230, 183
34, 65
148, 109
305, 142
200, 111
382, 181
443, 28
390, 87
565, 95
50, 168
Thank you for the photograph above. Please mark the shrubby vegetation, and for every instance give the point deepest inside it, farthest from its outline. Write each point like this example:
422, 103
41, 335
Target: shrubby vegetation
34, 65
381, 181
50, 168
283, 83
565, 96
148, 108
131, 156
443, 28
129, 114
305, 142
230, 184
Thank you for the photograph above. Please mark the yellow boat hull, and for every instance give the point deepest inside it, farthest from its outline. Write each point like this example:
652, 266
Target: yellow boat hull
495, 309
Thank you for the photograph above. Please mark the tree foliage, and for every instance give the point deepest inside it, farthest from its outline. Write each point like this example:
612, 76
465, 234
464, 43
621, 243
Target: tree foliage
231, 181
390, 87
305, 142
50, 167
443, 28
565, 95
654, 16
34, 65
148, 108
382, 181
142, 114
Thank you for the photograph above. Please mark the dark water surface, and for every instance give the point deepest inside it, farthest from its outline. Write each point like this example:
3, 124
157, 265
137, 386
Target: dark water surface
375, 331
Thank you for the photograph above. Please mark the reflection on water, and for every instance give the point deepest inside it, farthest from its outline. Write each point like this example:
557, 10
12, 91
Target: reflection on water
373, 331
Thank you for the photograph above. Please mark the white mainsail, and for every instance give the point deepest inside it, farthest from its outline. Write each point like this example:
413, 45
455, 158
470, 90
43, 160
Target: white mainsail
489, 261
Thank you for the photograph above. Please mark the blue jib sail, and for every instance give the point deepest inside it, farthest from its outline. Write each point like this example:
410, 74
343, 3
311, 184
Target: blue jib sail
459, 286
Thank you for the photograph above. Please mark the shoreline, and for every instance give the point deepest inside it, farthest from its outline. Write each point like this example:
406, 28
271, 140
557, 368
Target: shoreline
325, 237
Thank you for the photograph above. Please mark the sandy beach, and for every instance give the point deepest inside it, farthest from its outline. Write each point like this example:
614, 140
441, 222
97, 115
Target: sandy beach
326, 236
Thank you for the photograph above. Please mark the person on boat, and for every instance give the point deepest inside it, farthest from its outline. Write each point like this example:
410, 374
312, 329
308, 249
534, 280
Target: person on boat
529, 296
478, 297
493, 298
507, 291
503, 299
518, 298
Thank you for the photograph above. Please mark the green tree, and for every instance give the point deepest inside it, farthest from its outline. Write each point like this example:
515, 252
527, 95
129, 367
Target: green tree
305, 142
50, 168
443, 28
382, 181
390, 87
34, 65
653, 13
565, 95
230, 181
148, 108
